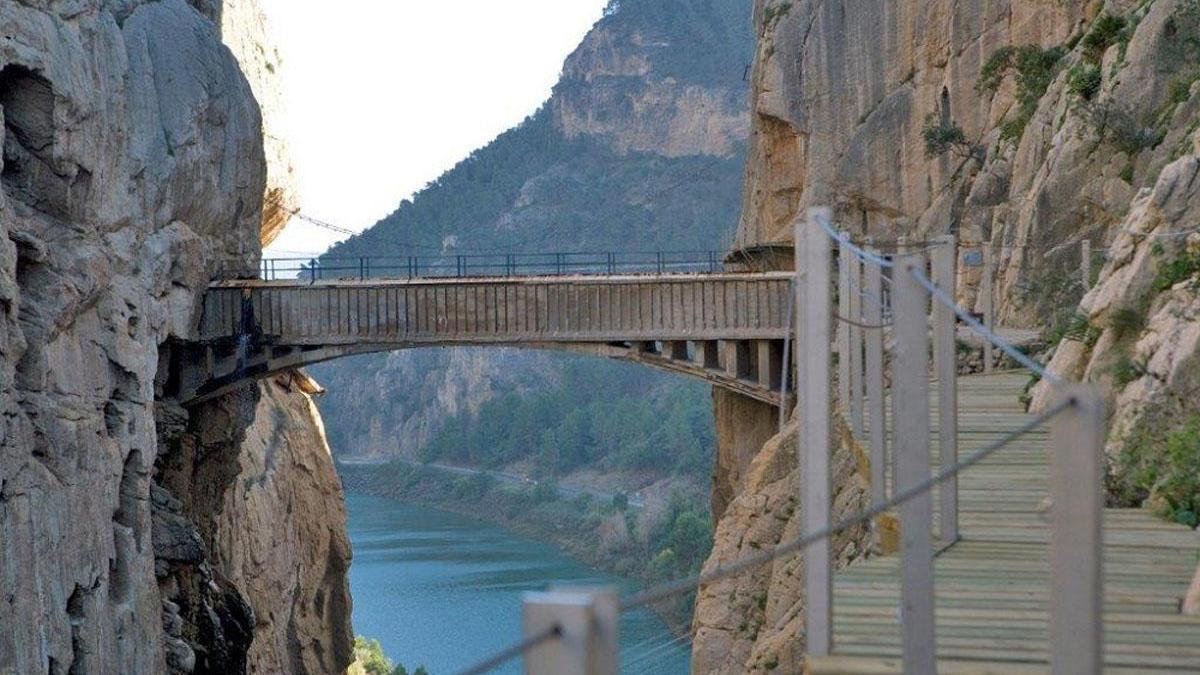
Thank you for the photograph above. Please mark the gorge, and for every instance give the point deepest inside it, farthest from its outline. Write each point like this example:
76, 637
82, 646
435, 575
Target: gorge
141, 164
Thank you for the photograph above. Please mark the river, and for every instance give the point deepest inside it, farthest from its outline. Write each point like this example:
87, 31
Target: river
444, 590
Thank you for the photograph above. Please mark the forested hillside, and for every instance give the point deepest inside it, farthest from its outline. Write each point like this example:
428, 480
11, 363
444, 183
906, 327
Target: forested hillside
640, 148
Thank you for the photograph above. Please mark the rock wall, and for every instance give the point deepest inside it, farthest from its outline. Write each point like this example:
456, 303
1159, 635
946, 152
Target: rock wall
1075, 118
754, 622
132, 171
254, 474
245, 31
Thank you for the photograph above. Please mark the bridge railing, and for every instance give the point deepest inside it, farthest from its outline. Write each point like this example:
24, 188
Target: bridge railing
490, 265
573, 632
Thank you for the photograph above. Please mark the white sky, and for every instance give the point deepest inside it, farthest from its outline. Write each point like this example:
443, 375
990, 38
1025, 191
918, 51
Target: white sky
384, 95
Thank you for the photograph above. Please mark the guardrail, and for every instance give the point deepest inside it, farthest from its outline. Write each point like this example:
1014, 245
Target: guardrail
490, 265
574, 632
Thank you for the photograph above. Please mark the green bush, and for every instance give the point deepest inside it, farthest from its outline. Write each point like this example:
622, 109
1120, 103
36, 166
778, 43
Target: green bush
1125, 370
1126, 322
1084, 80
942, 137
1166, 468
1186, 266
369, 654
1035, 68
1107, 31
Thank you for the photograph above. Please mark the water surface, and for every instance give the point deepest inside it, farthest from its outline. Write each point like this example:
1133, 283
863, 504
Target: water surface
444, 590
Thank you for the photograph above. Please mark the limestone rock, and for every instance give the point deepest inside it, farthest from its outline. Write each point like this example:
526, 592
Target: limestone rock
259, 482
754, 622
245, 31
132, 173
1164, 338
843, 96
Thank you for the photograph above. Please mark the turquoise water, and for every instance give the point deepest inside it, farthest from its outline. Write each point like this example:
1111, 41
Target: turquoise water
444, 590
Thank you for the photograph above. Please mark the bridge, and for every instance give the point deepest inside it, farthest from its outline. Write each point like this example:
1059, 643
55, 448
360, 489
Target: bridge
727, 328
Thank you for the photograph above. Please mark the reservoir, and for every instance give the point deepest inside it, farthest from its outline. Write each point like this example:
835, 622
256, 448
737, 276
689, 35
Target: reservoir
444, 590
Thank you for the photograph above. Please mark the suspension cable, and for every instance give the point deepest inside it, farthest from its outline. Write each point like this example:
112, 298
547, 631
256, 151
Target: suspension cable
509, 653
667, 590
977, 326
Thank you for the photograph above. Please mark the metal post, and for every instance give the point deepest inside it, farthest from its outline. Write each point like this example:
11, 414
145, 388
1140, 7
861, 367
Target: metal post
1076, 539
856, 339
945, 350
785, 376
712, 261
1085, 266
813, 441
659, 258
843, 329
989, 319
911, 393
873, 316
612, 263
558, 263
587, 641
362, 268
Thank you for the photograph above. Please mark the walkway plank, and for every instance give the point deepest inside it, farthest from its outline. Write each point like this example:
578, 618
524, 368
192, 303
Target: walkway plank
991, 588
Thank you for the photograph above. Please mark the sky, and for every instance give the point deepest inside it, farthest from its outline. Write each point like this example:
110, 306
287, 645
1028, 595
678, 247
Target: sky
383, 96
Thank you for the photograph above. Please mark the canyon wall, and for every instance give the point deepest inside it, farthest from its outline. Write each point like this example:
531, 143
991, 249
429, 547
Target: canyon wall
133, 171
1023, 125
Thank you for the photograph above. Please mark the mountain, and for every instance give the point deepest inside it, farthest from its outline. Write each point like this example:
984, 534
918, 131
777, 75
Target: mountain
639, 148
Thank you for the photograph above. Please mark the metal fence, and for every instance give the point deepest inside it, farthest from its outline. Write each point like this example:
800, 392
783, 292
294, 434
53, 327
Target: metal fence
490, 265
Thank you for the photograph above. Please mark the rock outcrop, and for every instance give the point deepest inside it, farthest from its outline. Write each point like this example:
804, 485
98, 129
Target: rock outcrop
245, 31
132, 172
754, 622
253, 472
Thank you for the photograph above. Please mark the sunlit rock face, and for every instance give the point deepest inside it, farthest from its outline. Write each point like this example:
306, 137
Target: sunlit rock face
132, 171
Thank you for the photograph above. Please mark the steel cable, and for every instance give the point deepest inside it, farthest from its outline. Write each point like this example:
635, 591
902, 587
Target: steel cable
664, 591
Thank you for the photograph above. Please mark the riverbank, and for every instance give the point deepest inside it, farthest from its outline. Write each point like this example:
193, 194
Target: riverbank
664, 539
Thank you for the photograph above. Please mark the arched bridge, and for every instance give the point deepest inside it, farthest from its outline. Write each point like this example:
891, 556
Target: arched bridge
727, 328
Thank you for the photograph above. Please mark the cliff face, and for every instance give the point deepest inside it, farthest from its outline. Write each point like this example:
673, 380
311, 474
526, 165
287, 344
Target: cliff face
1026, 124
132, 170
638, 149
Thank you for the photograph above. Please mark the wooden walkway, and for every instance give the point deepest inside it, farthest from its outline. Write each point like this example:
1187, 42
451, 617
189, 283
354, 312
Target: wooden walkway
991, 587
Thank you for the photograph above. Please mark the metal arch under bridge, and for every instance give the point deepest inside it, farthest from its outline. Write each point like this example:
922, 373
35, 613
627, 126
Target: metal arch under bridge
727, 328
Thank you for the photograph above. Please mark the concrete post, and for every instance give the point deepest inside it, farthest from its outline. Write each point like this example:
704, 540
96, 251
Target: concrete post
873, 316
1076, 539
910, 391
813, 441
945, 258
856, 341
843, 329
588, 625
989, 318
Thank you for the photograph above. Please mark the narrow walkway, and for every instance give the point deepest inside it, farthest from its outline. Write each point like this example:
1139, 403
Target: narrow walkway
991, 587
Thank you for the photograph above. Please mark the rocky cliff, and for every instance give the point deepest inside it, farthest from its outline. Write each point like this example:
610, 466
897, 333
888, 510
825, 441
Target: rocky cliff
133, 170
1020, 124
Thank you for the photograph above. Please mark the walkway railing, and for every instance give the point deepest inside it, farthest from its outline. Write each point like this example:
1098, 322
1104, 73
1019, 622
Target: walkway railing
573, 631
490, 265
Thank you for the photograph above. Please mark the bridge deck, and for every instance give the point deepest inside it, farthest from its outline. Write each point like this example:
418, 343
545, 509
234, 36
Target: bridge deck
991, 587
